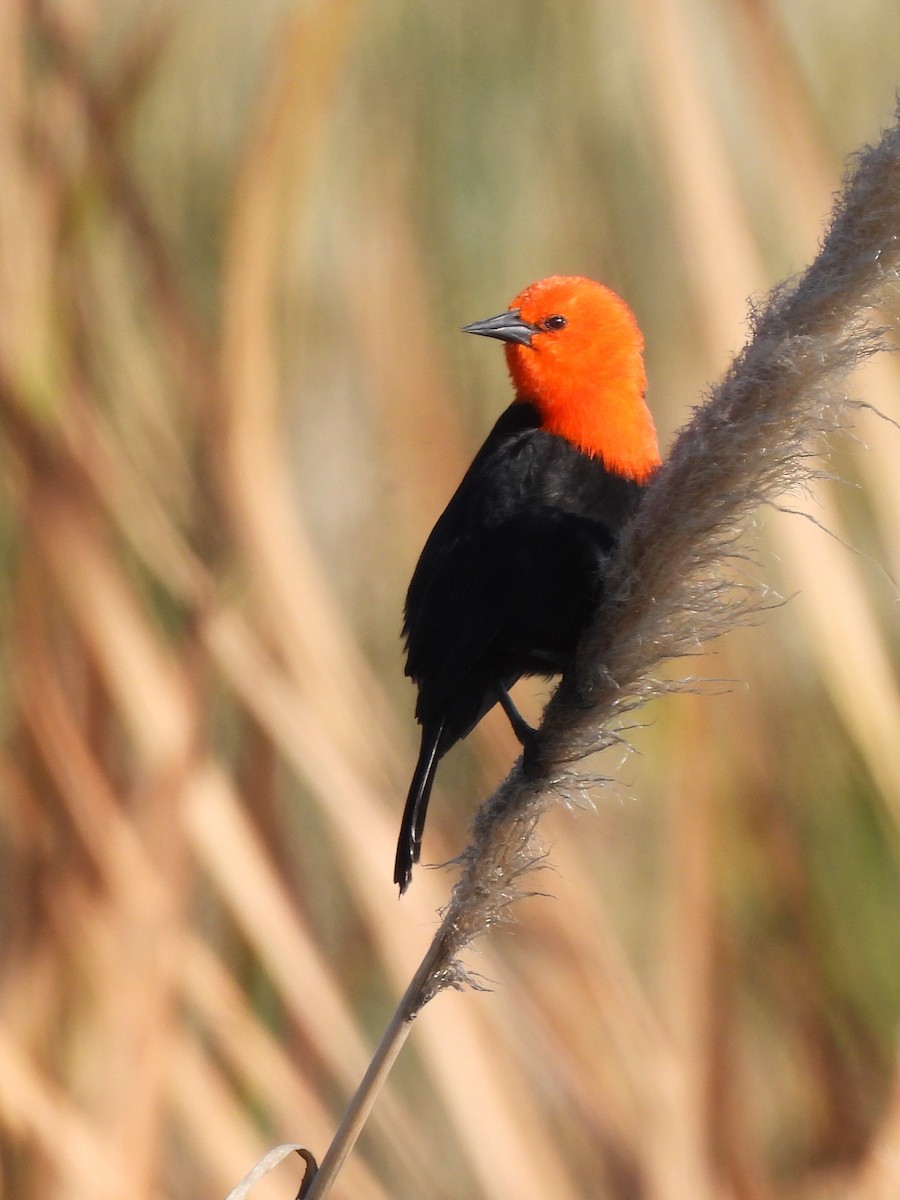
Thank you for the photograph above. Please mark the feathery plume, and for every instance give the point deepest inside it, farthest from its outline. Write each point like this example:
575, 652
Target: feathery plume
669, 588
669, 584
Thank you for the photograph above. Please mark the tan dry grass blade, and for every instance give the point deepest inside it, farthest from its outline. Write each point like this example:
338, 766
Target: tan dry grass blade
135, 887
269, 1161
231, 851
574, 978
130, 877
96, 119
419, 428
29, 218
142, 676
262, 1063
135, 977
300, 617
878, 1177
856, 664
34, 1107
693, 1008
716, 247
216, 1120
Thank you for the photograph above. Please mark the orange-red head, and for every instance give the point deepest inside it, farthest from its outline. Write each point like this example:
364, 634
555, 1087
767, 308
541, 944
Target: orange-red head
575, 352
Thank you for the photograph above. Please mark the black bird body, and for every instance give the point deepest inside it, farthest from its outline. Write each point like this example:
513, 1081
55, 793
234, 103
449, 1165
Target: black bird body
504, 586
515, 565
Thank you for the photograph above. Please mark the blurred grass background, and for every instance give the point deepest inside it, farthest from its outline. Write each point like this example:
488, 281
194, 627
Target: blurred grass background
236, 244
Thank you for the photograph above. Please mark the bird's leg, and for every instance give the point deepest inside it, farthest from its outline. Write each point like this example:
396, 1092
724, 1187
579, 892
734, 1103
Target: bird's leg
520, 727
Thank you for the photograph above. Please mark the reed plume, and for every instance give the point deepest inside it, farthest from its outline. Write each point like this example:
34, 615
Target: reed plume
672, 585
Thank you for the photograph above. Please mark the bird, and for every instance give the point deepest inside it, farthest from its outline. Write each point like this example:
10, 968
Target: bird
513, 569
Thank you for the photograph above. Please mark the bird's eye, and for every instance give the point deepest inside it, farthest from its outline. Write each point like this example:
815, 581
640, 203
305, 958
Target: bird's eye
555, 322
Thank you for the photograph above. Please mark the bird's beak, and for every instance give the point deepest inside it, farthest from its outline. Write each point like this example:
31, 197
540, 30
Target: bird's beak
508, 327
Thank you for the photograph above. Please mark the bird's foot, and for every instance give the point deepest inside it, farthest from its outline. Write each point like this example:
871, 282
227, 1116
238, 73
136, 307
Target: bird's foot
526, 734
531, 753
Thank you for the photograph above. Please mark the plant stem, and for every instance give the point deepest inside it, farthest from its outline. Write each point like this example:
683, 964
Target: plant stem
420, 989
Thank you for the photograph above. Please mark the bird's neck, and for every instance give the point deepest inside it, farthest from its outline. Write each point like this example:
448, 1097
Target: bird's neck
612, 424
591, 392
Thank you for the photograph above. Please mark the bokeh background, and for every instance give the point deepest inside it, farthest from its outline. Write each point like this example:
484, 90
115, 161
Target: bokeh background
237, 241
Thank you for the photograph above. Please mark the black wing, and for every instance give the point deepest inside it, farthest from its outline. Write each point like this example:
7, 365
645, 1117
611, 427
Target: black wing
458, 600
511, 570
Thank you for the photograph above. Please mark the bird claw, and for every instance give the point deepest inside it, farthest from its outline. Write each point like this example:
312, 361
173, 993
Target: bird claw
531, 753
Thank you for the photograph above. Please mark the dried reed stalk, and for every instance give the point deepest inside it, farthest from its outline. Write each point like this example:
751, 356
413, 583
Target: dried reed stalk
671, 583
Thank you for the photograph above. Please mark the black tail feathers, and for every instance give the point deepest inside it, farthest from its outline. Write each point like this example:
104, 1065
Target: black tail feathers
409, 844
